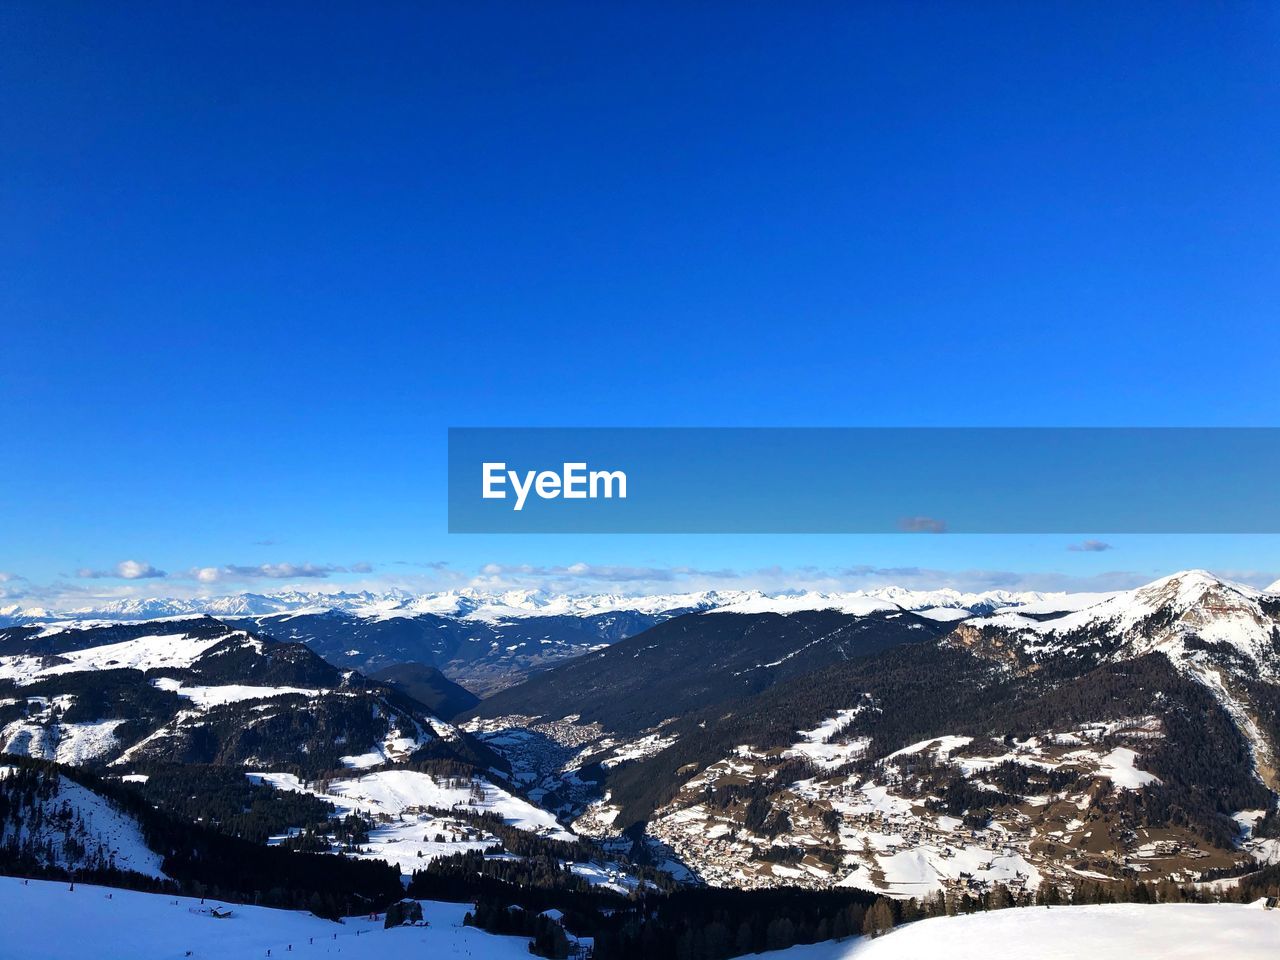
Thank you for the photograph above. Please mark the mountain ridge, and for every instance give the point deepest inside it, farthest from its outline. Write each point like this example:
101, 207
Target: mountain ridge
500, 606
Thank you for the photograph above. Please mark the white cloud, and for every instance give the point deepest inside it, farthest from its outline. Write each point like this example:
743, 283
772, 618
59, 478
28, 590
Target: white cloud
124, 570
274, 571
136, 570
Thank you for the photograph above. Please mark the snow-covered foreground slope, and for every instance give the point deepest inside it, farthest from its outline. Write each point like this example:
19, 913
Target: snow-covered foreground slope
44, 920
1127, 931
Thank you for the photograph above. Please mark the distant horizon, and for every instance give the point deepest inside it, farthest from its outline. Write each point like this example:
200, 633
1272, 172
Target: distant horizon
917, 583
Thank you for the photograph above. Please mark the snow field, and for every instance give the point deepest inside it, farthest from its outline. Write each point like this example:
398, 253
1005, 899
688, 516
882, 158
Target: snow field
44, 920
1126, 931
403, 796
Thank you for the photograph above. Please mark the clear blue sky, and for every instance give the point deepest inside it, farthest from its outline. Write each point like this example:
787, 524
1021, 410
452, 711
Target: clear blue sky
254, 259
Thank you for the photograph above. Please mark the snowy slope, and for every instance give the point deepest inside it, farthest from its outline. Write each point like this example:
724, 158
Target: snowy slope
1216, 610
144, 653
399, 800
1158, 615
395, 791
70, 743
44, 920
1129, 931
106, 835
1219, 633
230, 693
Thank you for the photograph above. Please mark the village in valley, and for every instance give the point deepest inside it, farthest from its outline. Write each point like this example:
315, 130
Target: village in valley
819, 814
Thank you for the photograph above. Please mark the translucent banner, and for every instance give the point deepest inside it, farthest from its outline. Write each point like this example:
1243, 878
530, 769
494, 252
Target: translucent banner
864, 480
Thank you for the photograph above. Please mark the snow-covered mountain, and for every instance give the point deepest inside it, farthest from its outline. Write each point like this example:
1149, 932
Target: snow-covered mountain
490, 640
506, 606
1137, 730
945, 604
457, 604
1225, 636
1175, 615
199, 691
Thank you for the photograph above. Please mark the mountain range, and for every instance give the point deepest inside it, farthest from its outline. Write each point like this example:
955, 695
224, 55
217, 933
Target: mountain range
488, 641
905, 744
497, 607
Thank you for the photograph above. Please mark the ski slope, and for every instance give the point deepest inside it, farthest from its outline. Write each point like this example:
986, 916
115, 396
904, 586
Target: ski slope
1124, 931
44, 920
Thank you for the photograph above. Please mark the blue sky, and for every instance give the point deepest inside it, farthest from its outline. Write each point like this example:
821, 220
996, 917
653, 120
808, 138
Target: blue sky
255, 260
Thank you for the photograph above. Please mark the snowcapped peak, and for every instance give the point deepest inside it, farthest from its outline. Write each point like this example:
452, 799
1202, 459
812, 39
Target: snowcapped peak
1176, 615
15, 613
1190, 588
